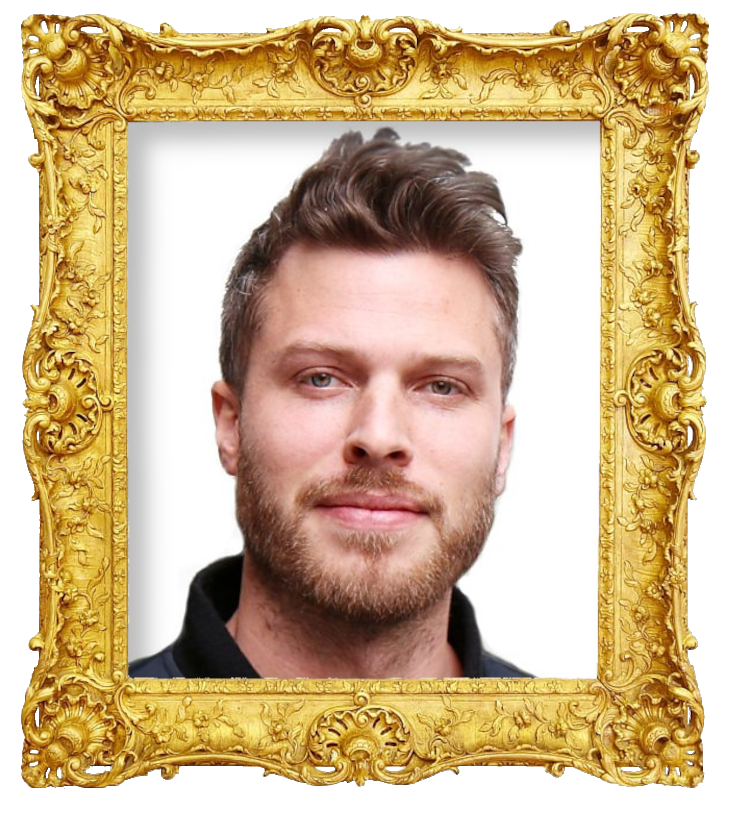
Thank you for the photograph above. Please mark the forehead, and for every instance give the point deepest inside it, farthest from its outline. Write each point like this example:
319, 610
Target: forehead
400, 302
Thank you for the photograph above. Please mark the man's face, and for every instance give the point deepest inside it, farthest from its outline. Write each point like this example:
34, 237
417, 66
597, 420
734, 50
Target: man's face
370, 440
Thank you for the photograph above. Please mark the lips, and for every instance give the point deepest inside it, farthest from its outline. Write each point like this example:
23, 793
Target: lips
374, 502
371, 511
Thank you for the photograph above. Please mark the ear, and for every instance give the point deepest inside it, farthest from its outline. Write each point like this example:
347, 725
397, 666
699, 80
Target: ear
226, 415
506, 442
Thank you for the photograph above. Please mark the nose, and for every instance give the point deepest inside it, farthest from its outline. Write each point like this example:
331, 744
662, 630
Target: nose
378, 431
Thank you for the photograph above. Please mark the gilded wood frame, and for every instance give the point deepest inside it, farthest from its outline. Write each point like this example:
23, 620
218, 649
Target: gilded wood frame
640, 720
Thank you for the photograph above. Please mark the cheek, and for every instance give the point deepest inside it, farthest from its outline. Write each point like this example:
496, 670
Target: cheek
461, 458
463, 444
291, 441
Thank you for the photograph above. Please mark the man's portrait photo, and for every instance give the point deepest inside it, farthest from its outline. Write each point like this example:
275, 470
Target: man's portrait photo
363, 409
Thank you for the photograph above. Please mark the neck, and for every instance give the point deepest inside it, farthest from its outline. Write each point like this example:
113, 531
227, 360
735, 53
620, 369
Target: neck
284, 637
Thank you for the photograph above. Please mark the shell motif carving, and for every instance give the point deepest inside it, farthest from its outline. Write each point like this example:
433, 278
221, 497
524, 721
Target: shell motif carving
663, 401
67, 733
360, 742
661, 735
69, 64
364, 59
68, 410
653, 67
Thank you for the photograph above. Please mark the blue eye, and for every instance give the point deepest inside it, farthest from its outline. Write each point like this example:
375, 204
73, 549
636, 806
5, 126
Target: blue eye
321, 380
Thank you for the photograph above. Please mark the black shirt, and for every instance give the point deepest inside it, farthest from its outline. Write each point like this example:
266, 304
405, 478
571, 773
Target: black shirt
205, 648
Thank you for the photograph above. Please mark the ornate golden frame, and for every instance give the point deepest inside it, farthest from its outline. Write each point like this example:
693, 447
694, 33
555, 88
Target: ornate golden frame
640, 720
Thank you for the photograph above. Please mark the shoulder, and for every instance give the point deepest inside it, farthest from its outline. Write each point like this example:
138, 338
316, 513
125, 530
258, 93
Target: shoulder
158, 666
497, 668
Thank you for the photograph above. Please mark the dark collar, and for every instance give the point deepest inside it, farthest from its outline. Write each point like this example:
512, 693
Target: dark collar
206, 649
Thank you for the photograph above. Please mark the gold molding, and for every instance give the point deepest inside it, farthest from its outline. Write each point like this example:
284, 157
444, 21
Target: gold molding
640, 720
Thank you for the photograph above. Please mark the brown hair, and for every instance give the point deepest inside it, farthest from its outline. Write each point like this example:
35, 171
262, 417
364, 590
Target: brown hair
378, 196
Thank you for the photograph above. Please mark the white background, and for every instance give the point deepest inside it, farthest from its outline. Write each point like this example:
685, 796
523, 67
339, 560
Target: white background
197, 191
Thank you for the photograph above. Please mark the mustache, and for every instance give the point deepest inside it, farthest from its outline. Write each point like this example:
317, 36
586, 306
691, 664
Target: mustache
369, 480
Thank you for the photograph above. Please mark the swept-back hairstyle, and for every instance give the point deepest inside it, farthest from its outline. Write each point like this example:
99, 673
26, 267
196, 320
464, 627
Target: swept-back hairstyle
378, 196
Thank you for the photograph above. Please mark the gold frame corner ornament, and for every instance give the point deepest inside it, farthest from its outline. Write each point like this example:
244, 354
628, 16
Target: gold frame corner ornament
640, 721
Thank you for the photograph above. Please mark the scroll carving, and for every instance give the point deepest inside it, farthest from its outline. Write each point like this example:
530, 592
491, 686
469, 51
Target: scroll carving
371, 57
360, 742
664, 401
68, 411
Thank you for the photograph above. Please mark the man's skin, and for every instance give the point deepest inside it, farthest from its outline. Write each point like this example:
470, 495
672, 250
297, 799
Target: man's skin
388, 363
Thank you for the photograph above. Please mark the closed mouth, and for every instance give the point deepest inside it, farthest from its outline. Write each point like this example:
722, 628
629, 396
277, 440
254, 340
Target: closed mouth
379, 512
374, 502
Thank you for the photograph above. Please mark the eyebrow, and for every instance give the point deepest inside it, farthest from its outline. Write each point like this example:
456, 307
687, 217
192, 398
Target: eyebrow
300, 348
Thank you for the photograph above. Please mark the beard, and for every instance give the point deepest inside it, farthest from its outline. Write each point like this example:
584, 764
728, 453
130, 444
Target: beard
367, 590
